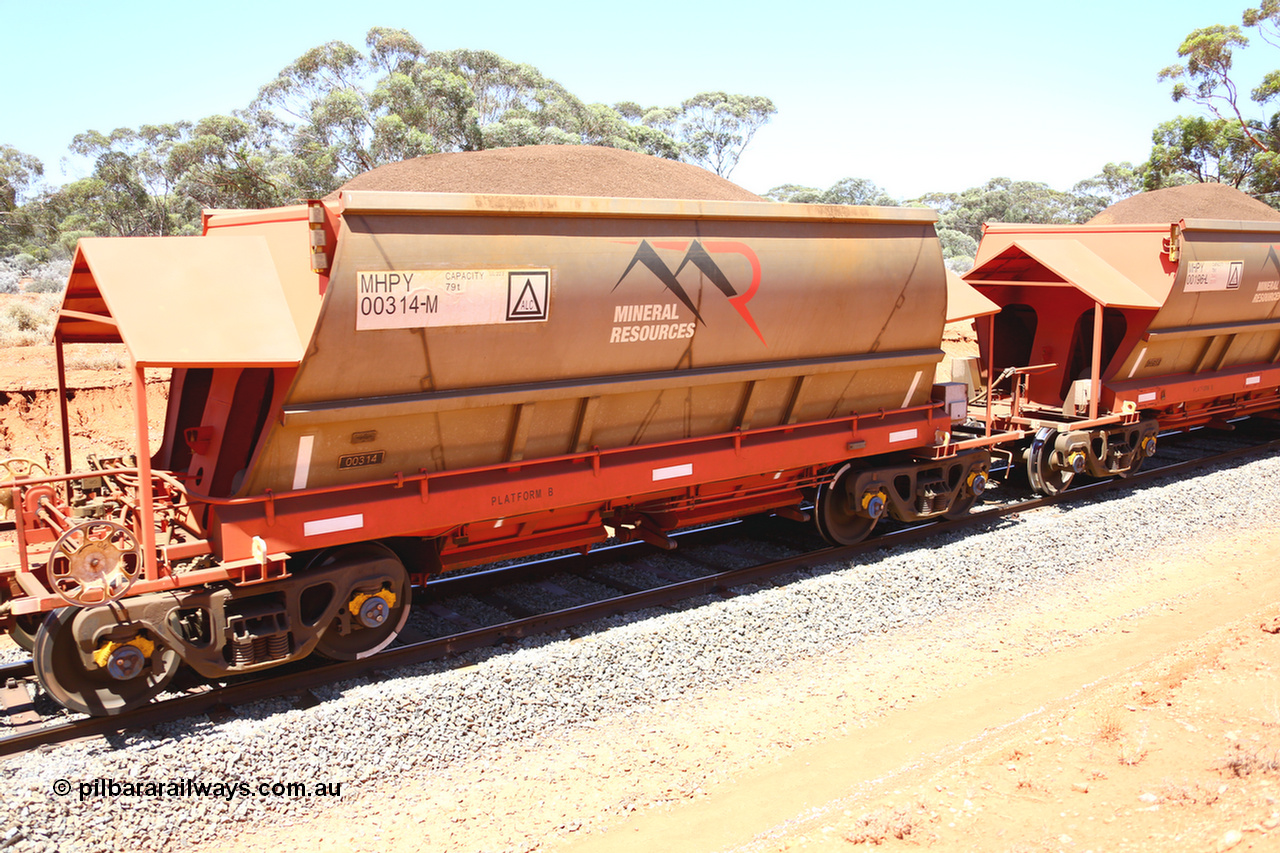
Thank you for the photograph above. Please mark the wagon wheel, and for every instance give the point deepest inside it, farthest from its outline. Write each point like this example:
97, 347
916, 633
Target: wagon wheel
23, 631
961, 505
974, 487
837, 512
1044, 478
373, 613
94, 563
1146, 447
23, 628
133, 673
16, 468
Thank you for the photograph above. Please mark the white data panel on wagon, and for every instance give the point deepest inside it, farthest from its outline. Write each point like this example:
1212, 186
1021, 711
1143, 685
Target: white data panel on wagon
417, 299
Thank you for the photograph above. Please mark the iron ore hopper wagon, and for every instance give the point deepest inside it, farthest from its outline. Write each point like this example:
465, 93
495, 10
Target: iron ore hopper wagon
1107, 334
370, 391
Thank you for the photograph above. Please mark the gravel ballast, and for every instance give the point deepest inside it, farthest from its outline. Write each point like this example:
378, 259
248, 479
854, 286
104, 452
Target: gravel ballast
426, 719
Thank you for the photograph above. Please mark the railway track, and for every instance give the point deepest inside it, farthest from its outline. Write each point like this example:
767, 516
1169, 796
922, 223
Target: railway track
703, 552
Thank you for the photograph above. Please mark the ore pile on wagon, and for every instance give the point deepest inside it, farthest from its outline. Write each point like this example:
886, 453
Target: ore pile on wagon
375, 388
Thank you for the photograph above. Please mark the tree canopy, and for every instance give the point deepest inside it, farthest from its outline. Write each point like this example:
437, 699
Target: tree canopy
332, 113
844, 191
961, 214
715, 127
339, 110
1237, 146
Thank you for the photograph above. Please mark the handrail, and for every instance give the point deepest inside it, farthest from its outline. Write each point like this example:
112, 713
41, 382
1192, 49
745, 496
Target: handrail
401, 479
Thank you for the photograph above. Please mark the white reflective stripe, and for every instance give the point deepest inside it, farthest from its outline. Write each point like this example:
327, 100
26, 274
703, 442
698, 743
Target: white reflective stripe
672, 472
903, 435
499, 523
1141, 356
302, 468
1147, 397
1252, 380
906, 401
333, 525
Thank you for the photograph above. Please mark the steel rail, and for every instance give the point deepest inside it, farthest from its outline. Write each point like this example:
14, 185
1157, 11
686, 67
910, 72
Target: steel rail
17, 669
301, 680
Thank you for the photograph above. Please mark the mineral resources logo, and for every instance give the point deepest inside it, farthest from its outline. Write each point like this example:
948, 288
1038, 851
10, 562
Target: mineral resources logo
1269, 289
654, 322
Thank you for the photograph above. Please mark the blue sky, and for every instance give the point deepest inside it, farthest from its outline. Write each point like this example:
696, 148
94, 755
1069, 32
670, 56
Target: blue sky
915, 96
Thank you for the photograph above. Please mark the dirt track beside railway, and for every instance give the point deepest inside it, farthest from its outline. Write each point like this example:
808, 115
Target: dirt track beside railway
1140, 718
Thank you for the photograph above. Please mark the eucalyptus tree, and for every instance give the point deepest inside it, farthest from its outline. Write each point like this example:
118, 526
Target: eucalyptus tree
843, 191
323, 103
342, 112
1237, 146
1115, 182
131, 191
18, 175
1195, 149
1006, 200
229, 161
332, 113
714, 128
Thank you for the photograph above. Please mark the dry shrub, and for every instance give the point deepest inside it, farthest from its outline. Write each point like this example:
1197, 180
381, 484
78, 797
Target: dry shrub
1025, 786
1109, 730
46, 285
27, 322
11, 337
1244, 763
1186, 794
879, 826
102, 360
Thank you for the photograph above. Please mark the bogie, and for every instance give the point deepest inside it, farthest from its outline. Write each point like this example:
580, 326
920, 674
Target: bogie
347, 604
852, 499
1054, 457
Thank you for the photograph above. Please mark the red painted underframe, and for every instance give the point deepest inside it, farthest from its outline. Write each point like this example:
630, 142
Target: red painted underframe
587, 482
1191, 398
549, 491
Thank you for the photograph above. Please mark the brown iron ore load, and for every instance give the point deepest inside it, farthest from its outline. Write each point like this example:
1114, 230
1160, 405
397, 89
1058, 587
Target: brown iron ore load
1192, 201
569, 170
